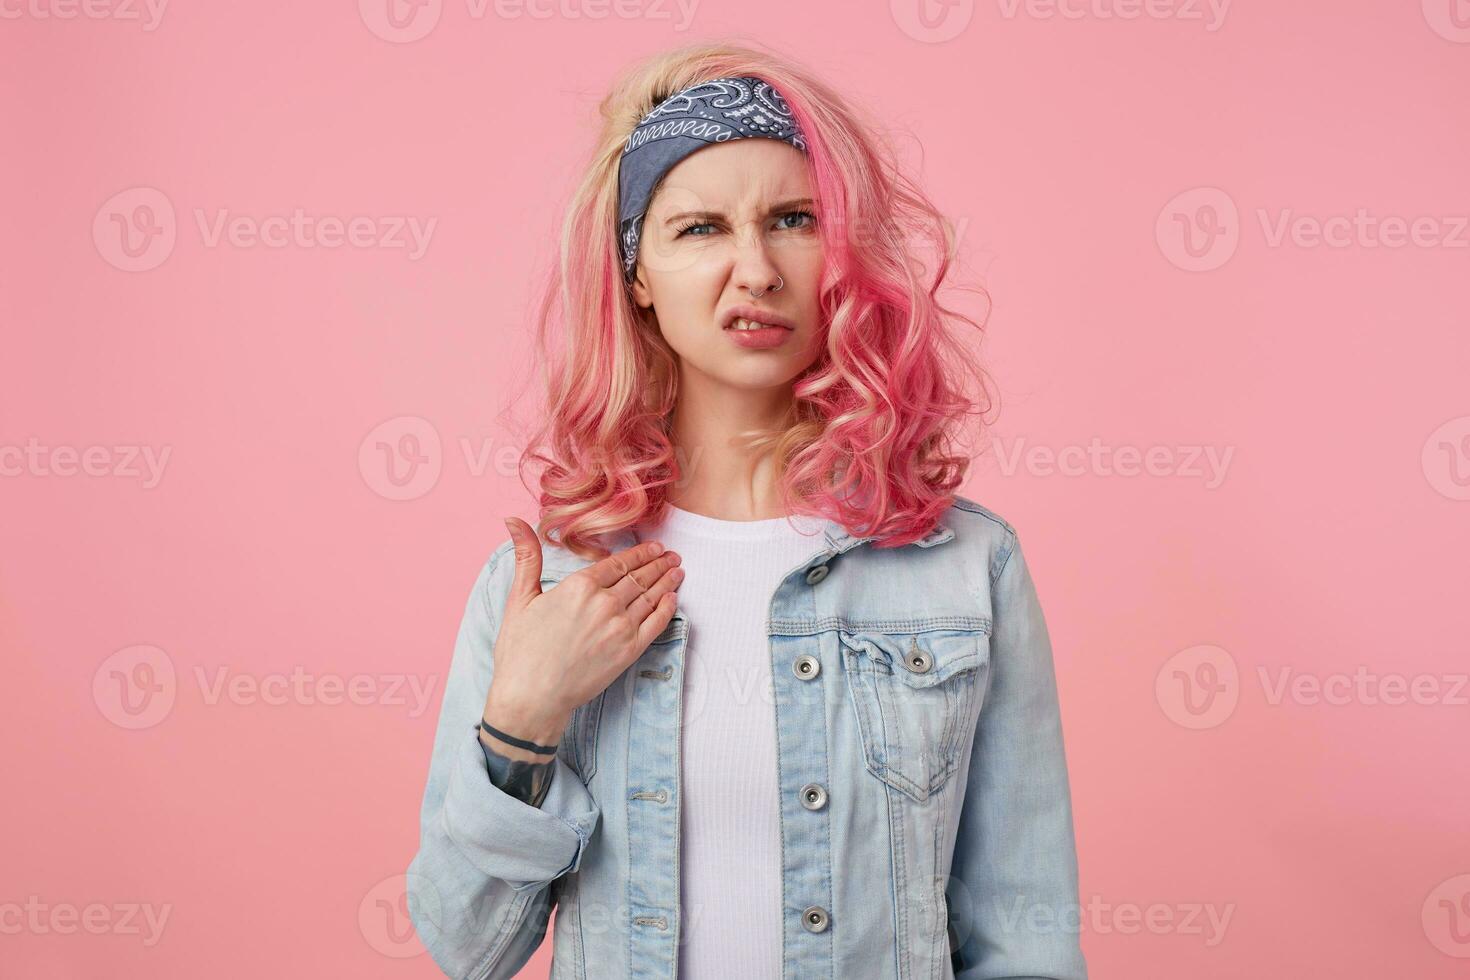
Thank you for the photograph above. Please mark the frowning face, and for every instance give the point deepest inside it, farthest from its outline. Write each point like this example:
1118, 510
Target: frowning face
726, 224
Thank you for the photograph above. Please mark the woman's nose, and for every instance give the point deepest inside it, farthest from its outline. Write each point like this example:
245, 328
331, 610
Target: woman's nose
754, 267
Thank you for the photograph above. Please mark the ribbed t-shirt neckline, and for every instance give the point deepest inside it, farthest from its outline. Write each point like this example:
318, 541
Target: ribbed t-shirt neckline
681, 521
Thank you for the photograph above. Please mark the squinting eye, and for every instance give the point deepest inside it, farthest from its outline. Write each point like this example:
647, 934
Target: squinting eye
689, 229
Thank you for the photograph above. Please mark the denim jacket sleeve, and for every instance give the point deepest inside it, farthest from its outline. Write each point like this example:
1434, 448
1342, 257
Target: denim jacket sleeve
1013, 888
480, 889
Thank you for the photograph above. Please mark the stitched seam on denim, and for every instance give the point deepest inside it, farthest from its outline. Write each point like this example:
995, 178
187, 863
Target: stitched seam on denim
900, 878
946, 804
964, 692
485, 598
587, 739
502, 938
873, 730
678, 903
579, 959
970, 507
781, 810
951, 708
826, 817
677, 629
890, 756
628, 822
925, 624
893, 900
1004, 561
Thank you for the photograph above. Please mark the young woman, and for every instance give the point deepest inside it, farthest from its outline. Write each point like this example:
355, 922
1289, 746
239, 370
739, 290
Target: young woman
833, 749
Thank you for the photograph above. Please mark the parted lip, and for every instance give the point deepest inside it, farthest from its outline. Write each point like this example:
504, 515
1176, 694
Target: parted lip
744, 311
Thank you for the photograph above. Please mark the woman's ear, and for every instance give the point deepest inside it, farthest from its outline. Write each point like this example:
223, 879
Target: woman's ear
641, 295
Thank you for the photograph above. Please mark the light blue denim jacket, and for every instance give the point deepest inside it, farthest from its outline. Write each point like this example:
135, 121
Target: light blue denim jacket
926, 818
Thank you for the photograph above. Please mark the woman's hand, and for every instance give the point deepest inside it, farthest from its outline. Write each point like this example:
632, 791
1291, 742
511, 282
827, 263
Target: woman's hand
558, 650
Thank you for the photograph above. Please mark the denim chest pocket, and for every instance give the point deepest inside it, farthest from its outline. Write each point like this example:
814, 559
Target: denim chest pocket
578, 746
917, 698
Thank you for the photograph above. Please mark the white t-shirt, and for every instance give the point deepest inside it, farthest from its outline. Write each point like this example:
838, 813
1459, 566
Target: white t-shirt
730, 823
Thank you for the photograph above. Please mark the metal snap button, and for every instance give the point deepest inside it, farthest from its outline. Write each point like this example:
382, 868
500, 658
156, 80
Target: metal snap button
814, 918
816, 574
806, 667
813, 796
916, 660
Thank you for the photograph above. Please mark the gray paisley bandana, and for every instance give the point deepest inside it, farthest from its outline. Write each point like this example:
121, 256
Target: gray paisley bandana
708, 112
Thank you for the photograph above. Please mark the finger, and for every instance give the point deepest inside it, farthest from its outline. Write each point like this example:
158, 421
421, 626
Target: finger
647, 601
527, 583
640, 580
656, 622
607, 571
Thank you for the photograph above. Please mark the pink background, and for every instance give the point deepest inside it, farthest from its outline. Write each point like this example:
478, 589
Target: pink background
1329, 833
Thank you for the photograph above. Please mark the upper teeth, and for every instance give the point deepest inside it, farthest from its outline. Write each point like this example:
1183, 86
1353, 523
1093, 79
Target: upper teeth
743, 324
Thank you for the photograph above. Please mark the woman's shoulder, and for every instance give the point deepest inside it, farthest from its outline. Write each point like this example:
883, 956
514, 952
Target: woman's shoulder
969, 515
987, 535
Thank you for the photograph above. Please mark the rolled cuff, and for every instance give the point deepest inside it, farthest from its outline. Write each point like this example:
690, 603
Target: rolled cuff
507, 838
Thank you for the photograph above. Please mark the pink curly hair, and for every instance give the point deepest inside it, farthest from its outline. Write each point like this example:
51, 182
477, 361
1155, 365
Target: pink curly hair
870, 442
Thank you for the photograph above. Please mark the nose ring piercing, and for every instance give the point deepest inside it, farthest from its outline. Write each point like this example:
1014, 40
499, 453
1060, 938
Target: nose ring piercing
778, 288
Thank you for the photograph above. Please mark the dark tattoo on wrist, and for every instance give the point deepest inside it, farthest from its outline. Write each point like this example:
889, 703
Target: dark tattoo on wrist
526, 781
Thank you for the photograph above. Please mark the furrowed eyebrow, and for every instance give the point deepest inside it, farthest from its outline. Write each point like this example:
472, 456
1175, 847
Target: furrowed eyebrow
780, 208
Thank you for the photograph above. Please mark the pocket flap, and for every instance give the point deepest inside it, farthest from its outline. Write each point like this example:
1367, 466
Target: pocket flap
920, 659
